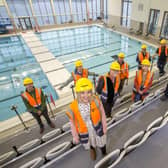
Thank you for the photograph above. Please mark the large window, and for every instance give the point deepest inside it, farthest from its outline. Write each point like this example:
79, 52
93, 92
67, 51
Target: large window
153, 21
164, 28
104, 13
62, 8
94, 9
4, 19
66, 11
43, 12
19, 8
126, 13
79, 11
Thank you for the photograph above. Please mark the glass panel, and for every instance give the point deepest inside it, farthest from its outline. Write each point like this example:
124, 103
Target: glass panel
4, 20
62, 9
126, 13
19, 7
164, 29
75, 11
43, 12
153, 21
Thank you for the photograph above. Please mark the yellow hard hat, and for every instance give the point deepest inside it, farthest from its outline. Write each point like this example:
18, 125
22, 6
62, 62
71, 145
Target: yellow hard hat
146, 62
121, 55
83, 84
27, 81
163, 41
78, 63
115, 66
143, 46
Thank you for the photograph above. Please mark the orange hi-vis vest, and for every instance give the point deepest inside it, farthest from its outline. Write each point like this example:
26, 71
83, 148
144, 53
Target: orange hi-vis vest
78, 76
124, 72
116, 83
95, 116
160, 51
33, 102
138, 83
104, 94
141, 57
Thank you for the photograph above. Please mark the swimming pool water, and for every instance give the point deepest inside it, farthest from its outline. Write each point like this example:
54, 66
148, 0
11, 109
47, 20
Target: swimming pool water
94, 45
17, 62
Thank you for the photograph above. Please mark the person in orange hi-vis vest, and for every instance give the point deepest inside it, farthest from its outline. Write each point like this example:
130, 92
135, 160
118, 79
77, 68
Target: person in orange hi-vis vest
124, 72
87, 118
35, 102
142, 82
162, 53
143, 54
79, 72
107, 87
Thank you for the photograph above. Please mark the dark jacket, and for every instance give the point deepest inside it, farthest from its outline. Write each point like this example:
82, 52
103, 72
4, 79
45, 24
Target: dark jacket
110, 88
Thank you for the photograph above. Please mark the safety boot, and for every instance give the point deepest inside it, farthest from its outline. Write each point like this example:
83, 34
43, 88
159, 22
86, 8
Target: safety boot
52, 125
103, 150
41, 130
93, 153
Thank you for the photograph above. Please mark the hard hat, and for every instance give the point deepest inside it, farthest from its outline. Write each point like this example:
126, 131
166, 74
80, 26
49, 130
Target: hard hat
121, 55
143, 46
163, 41
146, 62
27, 81
78, 63
115, 66
83, 84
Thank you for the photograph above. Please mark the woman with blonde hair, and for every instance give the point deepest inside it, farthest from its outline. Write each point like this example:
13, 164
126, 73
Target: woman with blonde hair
87, 118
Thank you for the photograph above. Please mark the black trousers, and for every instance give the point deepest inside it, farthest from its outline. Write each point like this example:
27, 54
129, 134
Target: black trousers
122, 82
107, 108
166, 91
161, 65
38, 119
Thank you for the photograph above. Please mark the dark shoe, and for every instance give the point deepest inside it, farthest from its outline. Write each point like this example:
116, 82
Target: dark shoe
52, 125
41, 130
103, 150
161, 74
93, 153
164, 98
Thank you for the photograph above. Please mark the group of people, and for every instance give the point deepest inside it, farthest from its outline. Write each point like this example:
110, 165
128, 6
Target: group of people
87, 113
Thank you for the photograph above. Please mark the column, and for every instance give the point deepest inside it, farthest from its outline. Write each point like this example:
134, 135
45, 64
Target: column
10, 15
35, 19
53, 10
70, 5
87, 10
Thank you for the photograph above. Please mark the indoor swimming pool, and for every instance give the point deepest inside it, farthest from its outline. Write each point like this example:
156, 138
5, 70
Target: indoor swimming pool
17, 62
94, 45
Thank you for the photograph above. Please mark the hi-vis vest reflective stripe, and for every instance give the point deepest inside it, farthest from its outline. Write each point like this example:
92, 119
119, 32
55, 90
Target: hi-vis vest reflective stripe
116, 83
124, 73
104, 94
160, 51
81, 127
141, 57
77, 76
139, 80
33, 102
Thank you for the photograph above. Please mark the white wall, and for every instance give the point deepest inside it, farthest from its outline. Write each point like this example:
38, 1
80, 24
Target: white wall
1, 3
142, 16
114, 7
